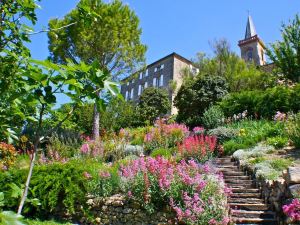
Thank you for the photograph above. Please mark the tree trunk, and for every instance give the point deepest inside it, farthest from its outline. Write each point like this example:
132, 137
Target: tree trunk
25, 192
96, 125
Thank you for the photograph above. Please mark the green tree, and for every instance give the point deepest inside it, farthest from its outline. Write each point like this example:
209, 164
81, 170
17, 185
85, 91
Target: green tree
286, 53
153, 103
238, 74
113, 39
196, 95
13, 35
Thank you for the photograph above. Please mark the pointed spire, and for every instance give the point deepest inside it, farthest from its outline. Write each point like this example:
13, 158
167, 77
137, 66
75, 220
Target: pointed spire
250, 29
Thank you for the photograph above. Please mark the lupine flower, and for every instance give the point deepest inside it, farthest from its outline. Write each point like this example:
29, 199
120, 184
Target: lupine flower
104, 174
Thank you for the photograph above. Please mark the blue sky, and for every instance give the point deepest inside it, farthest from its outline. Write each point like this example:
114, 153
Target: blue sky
184, 26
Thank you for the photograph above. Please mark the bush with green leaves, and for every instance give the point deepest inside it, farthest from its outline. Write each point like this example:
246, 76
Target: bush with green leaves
223, 133
252, 132
196, 95
213, 117
153, 103
166, 153
293, 129
61, 188
263, 103
278, 141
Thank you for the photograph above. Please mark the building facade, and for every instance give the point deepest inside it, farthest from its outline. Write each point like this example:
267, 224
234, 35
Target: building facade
252, 47
166, 73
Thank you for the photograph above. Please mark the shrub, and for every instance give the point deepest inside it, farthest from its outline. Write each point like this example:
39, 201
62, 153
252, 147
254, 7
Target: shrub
223, 133
213, 117
166, 153
293, 129
8, 155
60, 188
280, 164
278, 141
195, 192
164, 136
196, 95
231, 146
264, 103
198, 147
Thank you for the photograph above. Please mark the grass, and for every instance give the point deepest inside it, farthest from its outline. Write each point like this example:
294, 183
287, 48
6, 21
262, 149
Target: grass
38, 222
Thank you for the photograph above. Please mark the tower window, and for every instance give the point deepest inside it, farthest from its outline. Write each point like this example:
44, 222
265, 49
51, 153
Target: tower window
250, 55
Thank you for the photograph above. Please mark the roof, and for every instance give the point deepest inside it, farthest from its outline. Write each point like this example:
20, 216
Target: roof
250, 28
173, 54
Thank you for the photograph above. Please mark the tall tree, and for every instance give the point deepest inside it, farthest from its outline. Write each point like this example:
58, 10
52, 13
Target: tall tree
286, 53
113, 39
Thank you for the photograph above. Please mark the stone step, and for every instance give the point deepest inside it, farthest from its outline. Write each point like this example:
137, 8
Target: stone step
241, 220
233, 173
241, 186
245, 195
253, 214
246, 200
226, 177
251, 207
236, 181
239, 177
245, 190
229, 166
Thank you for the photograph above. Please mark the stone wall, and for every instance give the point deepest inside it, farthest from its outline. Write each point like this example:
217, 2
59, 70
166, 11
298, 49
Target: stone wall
117, 209
279, 192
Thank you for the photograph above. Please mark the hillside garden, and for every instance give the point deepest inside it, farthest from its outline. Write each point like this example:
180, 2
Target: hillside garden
101, 160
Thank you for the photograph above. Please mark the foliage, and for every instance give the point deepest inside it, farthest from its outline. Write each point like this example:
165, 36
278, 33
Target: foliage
13, 35
153, 103
163, 152
293, 129
252, 132
10, 218
213, 117
60, 187
286, 53
196, 95
198, 147
164, 135
8, 155
223, 133
195, 192
262, 103
262, 163
118, 114
66, 145
239, 75
111, 36
278, 141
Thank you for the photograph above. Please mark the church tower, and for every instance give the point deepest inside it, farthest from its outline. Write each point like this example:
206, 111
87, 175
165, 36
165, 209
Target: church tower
252, 47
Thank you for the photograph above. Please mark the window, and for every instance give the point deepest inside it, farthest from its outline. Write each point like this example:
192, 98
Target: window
126, 95
140, 90
133, 81
127, 83
154, 82
161, 80
141, 75
131, 94
146, 74
162, 66
146, 84
155, 69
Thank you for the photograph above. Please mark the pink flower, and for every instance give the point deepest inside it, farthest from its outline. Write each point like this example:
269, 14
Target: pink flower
212, 221
104, 174
85, 148
87, 175
292, 210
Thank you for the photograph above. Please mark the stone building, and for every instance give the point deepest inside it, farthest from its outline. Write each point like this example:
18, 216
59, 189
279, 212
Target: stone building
166, 73
252, 47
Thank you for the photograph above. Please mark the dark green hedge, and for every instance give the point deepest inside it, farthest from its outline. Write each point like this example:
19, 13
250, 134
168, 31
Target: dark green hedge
263, 103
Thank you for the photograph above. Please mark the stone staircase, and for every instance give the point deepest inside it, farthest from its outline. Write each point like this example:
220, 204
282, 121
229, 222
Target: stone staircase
245, 202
